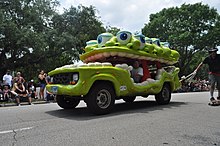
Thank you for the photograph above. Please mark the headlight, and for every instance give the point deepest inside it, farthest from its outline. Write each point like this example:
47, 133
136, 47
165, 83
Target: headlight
75, 77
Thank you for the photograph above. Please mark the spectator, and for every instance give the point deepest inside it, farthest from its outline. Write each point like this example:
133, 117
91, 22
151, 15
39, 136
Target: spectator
137, 72
42, 82
49, 96
20, 92
32, 89
18, 78
6, 92
7, 79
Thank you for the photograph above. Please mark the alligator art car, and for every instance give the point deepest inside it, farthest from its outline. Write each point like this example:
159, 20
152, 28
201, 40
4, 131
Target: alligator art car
105, 74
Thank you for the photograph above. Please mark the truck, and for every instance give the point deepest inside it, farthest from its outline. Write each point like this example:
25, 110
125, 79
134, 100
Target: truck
104, 76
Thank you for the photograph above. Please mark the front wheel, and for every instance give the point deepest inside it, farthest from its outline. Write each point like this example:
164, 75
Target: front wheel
101, 98
67, 102
164, 96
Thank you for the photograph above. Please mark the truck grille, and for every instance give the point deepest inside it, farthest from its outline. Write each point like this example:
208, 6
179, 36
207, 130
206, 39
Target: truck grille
63, 78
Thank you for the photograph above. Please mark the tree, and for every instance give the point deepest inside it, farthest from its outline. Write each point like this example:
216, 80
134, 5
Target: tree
22, 32
113, 30
78, 25
34, 37
189, 29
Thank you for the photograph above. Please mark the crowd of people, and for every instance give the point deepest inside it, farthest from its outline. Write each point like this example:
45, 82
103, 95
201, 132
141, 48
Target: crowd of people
196, 85
18, 89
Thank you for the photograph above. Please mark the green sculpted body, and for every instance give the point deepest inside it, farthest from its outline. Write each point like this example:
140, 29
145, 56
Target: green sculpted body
108, 62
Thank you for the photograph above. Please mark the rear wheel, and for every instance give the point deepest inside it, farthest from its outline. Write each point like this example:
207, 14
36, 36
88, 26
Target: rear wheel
129, 99
101, 98
164, 96
67, 102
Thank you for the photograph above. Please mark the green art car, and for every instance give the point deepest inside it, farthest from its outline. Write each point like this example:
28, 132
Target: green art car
105, 74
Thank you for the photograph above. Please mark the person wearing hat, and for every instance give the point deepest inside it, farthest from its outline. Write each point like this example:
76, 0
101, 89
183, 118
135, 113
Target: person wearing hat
213, 61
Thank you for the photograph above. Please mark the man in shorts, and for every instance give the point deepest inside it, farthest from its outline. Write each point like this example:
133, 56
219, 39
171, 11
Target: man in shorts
213, 61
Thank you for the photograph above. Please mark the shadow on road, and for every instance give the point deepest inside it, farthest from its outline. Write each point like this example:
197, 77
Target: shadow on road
82, 113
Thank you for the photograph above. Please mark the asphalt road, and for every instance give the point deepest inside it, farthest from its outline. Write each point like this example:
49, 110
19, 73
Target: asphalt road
187, 121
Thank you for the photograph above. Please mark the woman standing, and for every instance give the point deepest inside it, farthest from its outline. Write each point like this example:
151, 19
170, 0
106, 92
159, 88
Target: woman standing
42, 81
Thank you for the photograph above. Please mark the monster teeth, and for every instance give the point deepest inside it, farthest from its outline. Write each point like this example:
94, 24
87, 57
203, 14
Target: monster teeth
106, 64
121, 54
142, 58
106, 54
135, 56
113, 53
129, 55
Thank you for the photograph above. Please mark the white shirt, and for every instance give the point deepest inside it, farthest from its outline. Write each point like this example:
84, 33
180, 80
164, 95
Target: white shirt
7, 79
137, 74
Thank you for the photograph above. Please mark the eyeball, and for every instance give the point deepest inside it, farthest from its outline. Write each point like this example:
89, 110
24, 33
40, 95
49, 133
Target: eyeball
123, 37
141, 38
156, 41
91, 42
148, 40
103, 38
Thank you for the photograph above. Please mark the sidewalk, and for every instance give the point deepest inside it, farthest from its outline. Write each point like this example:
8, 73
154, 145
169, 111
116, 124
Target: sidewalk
34, 101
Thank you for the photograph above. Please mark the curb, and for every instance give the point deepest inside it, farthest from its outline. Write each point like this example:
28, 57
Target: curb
24, 103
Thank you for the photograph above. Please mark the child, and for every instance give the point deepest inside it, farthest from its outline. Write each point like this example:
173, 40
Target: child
6, 92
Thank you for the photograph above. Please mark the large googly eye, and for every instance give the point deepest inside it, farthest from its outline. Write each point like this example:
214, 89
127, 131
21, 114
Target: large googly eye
141, 38
103, 38
148, 40
124, 37
165, 44
156, 41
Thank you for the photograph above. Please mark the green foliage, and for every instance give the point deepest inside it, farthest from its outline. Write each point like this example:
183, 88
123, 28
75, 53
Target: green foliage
33, 36
112, 30
23, 27
189, 29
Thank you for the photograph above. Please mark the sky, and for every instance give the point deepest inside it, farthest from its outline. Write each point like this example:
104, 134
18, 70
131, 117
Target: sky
131, 15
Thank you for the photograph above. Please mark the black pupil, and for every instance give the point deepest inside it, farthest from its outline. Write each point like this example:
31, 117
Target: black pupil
142, 40
123, 36
99, 39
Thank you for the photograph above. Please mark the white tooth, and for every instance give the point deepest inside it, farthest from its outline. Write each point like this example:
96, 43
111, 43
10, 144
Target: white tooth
106, 64
113, 53
153, 59
118, 65
125, 66
130, 68
121, 54
129, 55
142, 57
132, 80
145, 82
150, 58
106, 54
82, 65
91, 64
150, 80
136, 56
147, 58
98, 64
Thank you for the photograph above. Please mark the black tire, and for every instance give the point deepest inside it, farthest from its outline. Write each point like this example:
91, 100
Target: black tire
129, 99
101, 98
164, 96
67, 102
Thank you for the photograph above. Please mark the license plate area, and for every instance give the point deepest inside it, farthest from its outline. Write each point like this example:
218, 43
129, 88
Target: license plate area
54, 89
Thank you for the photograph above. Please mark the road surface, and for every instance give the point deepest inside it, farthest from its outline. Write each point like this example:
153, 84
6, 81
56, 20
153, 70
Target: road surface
186, 121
